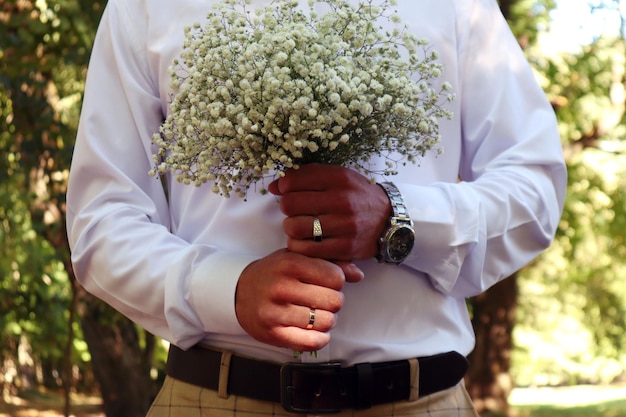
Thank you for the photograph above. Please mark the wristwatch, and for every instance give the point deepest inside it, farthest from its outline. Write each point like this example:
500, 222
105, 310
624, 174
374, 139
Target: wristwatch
396, 241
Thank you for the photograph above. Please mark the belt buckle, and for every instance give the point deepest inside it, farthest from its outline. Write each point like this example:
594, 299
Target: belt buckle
287, 387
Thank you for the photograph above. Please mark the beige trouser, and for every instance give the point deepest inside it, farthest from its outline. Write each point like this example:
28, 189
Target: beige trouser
179, 399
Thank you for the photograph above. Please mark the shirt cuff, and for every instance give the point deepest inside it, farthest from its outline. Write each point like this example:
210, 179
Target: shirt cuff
210, 300
445, 231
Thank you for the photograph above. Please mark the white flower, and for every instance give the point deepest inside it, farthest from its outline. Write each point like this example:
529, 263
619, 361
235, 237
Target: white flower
258, 93
333, 98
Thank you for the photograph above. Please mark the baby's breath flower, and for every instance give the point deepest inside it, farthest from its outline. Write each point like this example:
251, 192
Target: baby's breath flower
258, 93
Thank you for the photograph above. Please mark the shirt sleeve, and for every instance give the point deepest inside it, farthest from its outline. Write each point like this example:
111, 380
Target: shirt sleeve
117, 215
506, 206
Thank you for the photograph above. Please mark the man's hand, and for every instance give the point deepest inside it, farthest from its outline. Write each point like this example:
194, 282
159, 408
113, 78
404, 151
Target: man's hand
353, 212
276, 294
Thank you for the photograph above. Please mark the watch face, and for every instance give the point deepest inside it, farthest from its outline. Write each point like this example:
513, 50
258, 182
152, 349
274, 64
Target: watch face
400, 243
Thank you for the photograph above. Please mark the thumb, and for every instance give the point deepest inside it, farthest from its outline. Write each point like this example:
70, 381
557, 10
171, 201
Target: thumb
352, 272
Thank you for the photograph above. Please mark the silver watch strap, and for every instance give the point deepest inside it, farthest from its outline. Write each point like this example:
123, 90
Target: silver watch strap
400, 211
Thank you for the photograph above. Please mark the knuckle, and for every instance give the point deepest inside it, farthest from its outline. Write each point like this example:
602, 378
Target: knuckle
290, 227
335, 303
332, 322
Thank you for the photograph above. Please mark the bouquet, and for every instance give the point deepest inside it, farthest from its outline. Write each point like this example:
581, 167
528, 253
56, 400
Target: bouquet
259, 92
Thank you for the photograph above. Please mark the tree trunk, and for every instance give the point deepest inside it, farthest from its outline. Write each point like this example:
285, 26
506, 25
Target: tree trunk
505, 7
68, 379
120, 365
488, 381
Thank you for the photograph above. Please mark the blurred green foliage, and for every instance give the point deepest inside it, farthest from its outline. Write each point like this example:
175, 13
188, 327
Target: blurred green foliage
572, 318
44, 50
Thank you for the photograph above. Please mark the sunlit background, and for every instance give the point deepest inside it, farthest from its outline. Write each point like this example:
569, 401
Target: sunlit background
567, 359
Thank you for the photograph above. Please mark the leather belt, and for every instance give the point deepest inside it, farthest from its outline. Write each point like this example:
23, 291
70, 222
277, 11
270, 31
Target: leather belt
316, 387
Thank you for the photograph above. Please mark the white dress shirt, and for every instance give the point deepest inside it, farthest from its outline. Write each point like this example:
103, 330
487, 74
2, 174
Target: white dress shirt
483, 209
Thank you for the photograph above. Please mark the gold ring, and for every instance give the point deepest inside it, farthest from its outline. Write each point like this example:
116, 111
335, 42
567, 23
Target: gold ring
317, 230
311, 319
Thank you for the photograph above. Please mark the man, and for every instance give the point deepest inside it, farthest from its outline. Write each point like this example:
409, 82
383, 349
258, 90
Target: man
371, 279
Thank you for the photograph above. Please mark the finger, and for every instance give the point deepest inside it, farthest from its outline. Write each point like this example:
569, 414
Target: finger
273, 187
304, 317
300, 340
316, 203
311, 318
307, 296
351, 271
315, 271
304, 228
278, 329
309, 177
332, 248
301, 203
